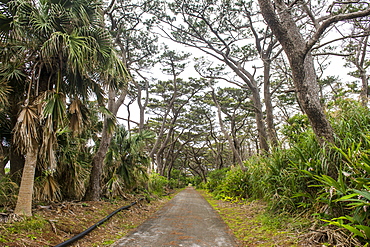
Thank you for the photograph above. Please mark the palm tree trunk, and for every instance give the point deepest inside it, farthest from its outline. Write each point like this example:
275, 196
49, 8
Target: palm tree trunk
24, 202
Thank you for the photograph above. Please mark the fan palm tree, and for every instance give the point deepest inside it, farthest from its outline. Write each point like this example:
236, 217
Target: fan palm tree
126, 161
62, 53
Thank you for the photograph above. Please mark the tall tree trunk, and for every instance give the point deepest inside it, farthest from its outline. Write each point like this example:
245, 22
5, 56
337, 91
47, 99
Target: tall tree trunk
155, 151
305, 80
271, 131
142, 106
364, 89
364, 77
301, 62
237, 156
265, 55
161, 165
93, 190
159, 162
217, 151
261, 128
256, 98
236, 141
24, 202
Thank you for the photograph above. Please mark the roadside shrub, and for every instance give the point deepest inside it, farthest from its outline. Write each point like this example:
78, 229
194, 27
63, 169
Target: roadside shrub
157, 184
329, 181
178, 179
215, 178
196, 181
258, 172
233, 185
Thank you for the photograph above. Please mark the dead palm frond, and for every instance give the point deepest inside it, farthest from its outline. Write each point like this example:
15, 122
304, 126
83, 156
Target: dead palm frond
329, 235
26, 128
48, 145
53, 119
114, 187
47, 188
77, 117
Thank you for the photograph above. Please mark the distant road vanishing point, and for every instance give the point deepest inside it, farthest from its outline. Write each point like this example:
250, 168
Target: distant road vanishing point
187, 220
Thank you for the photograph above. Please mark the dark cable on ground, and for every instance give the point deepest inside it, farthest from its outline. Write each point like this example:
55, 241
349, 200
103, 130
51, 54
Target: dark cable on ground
84, 233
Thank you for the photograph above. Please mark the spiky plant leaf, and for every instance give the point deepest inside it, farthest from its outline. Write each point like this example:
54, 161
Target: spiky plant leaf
55, 108
4, 91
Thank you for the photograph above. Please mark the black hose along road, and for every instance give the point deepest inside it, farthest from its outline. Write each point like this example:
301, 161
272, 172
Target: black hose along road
84, 233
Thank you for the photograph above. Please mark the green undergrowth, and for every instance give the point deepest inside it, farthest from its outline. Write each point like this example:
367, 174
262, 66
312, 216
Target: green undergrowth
252, 225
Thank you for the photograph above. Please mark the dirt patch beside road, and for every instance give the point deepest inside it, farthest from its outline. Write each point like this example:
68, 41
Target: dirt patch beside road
56, 223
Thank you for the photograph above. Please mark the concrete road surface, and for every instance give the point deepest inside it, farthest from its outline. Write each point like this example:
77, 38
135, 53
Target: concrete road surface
186, 220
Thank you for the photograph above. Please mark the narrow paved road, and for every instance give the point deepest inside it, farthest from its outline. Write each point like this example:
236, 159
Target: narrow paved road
186, 220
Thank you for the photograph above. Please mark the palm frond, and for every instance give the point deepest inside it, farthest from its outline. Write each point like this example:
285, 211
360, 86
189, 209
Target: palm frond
5, 27
47, 188
80, 54
4, 92
60, 18
114, 187
55, 107
49, 145
77, 116
26, 128
41, 21
11, 71
52, 47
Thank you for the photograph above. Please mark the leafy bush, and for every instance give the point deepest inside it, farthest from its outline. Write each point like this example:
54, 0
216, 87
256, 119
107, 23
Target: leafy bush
215, 178
178, 179
234, 185
196, 181
343, 199
157, 184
